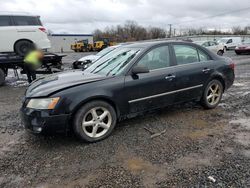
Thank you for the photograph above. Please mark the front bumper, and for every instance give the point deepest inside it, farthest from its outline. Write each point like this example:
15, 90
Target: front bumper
41, 121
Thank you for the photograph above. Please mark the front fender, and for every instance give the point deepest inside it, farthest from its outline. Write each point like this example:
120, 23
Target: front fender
110, 91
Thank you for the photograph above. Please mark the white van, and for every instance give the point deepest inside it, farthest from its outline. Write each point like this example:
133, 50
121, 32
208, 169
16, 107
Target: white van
230, 42
20, 32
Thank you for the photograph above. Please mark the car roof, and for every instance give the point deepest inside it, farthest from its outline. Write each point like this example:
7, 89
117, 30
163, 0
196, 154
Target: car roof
16, 14
203, 41
148, 44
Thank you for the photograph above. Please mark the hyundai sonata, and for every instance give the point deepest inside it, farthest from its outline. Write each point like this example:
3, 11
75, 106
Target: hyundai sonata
130, 80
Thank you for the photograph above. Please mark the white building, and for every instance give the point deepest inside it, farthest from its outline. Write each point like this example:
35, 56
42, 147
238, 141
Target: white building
62, 42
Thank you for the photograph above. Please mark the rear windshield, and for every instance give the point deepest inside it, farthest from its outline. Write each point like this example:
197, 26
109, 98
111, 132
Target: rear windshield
26, 20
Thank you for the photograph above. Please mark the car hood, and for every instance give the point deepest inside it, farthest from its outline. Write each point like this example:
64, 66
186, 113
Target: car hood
45, 86
89, 58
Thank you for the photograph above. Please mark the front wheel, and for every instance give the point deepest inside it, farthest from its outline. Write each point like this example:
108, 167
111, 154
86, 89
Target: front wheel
94, 121
212, 94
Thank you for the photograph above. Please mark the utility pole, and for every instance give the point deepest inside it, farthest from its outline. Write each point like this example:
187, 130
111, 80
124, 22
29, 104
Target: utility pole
170, 30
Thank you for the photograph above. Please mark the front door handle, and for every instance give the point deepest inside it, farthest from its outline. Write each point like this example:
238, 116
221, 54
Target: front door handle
170, 77
205, 70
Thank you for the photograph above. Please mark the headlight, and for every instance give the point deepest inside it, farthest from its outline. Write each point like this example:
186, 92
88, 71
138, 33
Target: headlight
45, 103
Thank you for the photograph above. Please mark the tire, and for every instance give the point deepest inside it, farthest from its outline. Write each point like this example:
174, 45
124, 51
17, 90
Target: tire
238, 53
225, 49
2, 77
22, 47
220, 52
211, 96
96, 127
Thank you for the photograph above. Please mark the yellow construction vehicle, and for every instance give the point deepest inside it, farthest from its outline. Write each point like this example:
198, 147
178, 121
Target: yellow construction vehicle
103, 43
82, 46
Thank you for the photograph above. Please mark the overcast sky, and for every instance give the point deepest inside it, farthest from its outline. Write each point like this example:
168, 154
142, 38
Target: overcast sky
84, 16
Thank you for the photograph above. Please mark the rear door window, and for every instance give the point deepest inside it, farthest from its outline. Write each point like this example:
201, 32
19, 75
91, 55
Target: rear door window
185, 54
5, 21
203, 56
26, 20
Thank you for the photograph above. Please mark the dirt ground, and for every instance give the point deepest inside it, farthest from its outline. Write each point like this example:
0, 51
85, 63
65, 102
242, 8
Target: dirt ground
200, 148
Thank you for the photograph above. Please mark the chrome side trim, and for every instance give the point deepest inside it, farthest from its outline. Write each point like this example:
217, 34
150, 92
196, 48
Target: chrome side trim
167, 93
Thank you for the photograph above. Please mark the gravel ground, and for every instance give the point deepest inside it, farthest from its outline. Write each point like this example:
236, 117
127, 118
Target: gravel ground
201, 148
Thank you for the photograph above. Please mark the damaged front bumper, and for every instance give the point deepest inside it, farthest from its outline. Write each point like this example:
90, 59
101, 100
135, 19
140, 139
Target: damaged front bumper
41, 121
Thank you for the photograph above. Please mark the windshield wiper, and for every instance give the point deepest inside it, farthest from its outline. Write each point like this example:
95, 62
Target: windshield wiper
105, 65
112, 70
123, 64
99, 65
111, 61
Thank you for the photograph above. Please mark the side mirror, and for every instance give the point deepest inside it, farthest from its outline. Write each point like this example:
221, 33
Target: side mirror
140, 69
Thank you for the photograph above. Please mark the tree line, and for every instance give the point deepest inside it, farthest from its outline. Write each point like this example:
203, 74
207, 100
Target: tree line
132, 31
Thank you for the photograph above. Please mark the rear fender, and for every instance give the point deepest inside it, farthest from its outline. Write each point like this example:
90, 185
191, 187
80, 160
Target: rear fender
217, 76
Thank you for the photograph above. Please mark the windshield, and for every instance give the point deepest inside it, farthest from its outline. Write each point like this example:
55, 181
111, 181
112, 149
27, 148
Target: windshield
114, 62
105, 51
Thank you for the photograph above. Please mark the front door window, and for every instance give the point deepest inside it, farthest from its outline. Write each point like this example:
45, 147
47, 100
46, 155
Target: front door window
157, 58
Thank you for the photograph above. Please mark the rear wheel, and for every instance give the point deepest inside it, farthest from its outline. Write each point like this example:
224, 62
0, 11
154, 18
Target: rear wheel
2, 77
94, 121
212, 94
22, 47
220, 52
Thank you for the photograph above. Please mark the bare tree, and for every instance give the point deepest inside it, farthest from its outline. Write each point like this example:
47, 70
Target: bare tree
130, 31
156, 33
97, 34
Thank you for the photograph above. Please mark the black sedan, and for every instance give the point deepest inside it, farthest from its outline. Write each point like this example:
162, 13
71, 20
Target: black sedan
129, 81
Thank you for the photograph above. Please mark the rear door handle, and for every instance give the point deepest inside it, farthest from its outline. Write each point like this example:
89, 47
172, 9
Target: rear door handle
205, 70
170, 77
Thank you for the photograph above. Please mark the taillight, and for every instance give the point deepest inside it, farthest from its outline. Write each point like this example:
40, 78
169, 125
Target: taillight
42, 29
232, 66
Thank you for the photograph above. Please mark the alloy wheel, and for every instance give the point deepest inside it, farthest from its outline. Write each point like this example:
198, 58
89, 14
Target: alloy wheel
214, 94
97, 122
